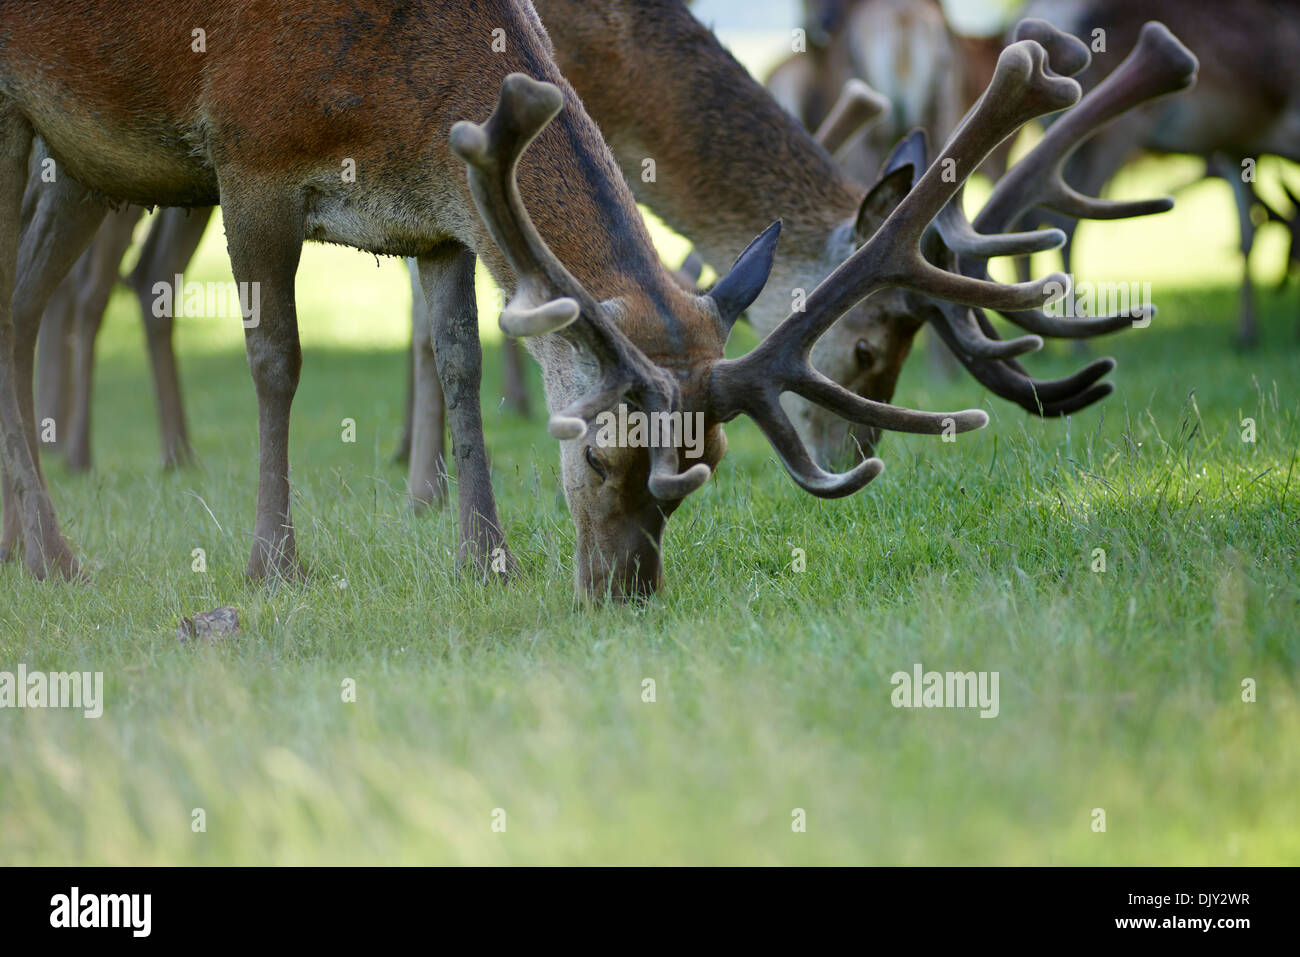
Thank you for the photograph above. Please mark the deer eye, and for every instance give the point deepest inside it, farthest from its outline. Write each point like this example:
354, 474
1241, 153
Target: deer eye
595, 464
864, 353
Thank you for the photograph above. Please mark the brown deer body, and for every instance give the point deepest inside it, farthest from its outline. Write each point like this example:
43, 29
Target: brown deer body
1246, 102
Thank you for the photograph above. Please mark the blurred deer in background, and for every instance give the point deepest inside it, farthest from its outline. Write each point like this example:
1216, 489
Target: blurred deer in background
1245, 105
903, 49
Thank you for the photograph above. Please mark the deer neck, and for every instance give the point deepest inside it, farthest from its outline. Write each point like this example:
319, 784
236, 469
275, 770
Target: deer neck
700, 142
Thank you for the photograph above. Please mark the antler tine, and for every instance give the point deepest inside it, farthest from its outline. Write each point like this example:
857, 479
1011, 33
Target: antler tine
1008, 379
1066, 54
1158, 65
492, 153
959, 236
547, 297
857, 107
807, 474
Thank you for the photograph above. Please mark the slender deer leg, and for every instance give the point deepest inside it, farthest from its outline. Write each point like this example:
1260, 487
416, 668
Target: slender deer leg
515, 386
96, 276
402, 454
54, 360
172, 241
264, 236
447, 278
33, 261
1247, 332
427, 477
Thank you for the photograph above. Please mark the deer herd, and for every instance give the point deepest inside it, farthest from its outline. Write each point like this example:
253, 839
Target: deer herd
514, 134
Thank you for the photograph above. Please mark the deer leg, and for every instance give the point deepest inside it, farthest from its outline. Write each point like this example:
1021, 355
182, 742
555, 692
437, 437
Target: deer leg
427, 477
447, 278
54, 361
1247, 332
516, 385
402, 454
96, 274
264, 237
171, 244
33, 261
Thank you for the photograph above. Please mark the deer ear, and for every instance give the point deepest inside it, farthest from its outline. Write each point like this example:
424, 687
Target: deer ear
881, 200
737, 290
913, 149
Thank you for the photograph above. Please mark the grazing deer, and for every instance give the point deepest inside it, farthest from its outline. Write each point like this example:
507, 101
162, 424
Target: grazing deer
1246, 103
76, 311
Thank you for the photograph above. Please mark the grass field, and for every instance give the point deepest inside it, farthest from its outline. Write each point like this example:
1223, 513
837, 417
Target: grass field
1120, 690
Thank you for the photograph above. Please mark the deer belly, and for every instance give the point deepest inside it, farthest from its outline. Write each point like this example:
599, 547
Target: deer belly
149, 166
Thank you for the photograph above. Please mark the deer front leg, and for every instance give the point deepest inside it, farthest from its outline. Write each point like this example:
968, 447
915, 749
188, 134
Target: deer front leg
447, 279
427, 474
172, 242
62, 218
96, 274
264, 236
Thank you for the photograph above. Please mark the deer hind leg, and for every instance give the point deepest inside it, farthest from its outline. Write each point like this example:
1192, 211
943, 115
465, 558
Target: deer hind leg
264, 234
427, 474
41, 237
516, 384
171, 244
96, 273
447, 278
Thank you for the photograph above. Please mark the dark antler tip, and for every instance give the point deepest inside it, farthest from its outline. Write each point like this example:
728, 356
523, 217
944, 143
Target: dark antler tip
1157, 41
670, 488
1067, 55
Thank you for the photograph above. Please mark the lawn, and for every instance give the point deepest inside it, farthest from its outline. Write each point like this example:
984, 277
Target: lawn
1120, 690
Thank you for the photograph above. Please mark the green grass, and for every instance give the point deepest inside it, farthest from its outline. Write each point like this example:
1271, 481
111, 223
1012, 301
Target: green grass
1119, 690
